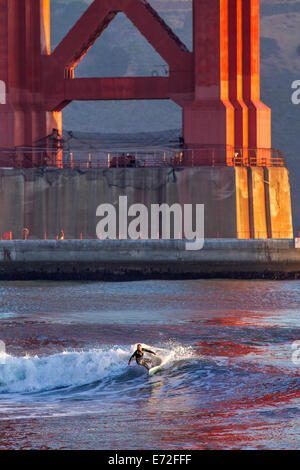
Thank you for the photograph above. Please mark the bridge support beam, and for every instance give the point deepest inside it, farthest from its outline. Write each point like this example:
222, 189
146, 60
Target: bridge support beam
259, 114
226, 110
24, 40
209, 120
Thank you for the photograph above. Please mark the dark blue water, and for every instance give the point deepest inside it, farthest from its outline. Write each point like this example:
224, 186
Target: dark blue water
227, 381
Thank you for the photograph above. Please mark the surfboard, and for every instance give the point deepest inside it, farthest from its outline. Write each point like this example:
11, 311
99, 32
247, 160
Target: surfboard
156, 365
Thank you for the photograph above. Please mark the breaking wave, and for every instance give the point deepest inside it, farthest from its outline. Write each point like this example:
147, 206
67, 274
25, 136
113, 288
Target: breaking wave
71, 369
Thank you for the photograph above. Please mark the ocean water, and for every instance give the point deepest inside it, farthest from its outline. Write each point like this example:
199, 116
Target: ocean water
228, 379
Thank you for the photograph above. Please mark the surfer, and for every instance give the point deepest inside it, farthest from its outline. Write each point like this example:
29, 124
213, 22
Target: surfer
139, 357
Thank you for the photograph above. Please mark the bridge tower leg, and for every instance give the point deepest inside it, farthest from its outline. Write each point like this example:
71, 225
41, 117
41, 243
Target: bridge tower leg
259, 115
209, 120
226, 111
24, 40
6, 113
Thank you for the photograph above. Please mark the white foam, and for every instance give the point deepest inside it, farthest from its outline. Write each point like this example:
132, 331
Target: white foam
74, 368
33, 373
171, 352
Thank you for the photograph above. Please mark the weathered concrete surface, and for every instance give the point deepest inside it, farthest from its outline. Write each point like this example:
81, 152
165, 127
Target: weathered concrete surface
258, 202
242, 203
279, 198
51, 200
151, 259
239, 202
263, 203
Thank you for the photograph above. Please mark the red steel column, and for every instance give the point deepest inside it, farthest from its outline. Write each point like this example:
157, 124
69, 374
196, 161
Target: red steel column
37, 46
236, 77
33, 66
53, 120
209, 120
24, 39
6, 112
259, 113
17, 70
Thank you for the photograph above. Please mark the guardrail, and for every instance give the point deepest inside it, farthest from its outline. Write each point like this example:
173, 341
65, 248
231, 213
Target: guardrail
34, 157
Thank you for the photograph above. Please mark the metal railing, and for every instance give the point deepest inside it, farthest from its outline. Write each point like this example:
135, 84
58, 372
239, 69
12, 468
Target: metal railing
35, 157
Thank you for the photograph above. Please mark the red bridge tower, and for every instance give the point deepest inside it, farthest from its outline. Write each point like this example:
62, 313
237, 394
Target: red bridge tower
217, 84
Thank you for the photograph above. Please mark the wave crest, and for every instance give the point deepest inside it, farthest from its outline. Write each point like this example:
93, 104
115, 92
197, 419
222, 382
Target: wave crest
74, 368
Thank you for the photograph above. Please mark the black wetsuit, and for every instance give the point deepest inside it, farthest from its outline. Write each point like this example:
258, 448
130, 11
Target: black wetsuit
139, 357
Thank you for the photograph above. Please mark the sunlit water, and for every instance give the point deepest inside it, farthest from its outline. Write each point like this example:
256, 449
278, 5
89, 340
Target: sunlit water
228, 379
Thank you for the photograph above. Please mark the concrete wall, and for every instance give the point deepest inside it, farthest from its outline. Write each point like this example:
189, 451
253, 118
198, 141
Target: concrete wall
257, 203
50, 200
278, 188
242, 203
239, 202
148, 259
263, 206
